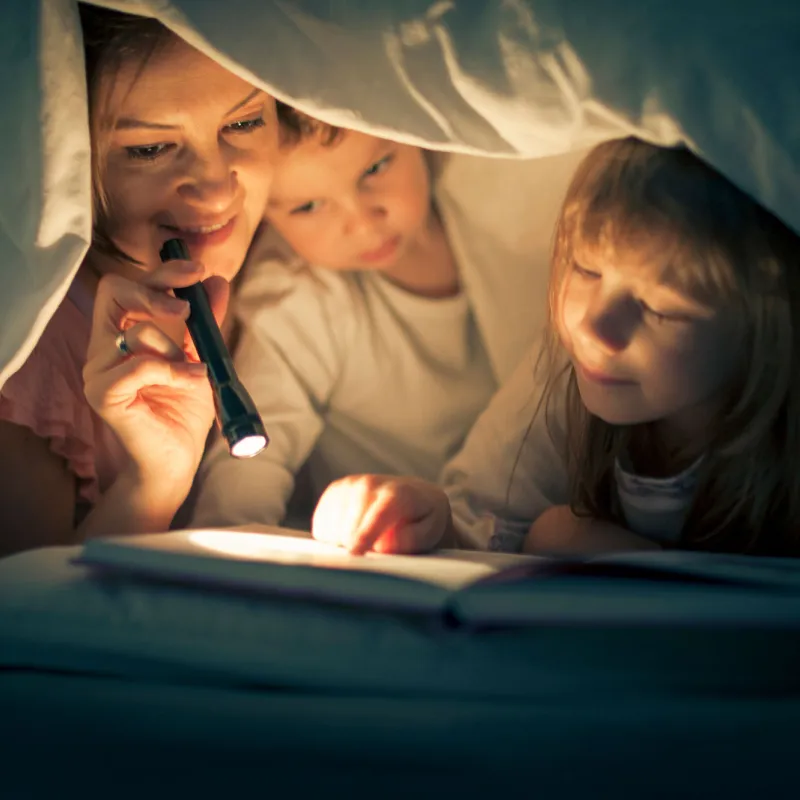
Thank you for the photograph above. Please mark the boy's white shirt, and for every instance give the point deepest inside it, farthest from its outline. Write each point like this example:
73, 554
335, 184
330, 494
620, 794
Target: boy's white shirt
350, 370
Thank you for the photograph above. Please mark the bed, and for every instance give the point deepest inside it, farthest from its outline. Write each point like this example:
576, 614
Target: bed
625, 686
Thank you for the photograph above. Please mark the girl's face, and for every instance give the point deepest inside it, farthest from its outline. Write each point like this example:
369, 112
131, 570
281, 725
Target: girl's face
644, 351
358, 203
189, 149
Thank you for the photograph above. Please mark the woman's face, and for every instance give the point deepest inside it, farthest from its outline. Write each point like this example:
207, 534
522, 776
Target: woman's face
189, 149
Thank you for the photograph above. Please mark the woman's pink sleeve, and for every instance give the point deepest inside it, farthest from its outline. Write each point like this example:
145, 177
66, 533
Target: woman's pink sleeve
46, 396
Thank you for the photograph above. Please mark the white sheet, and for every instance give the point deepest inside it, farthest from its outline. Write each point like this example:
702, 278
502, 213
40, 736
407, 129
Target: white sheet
518, 78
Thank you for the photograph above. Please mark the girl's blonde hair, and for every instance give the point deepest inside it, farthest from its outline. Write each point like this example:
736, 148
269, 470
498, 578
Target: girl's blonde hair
633, 199
111, 39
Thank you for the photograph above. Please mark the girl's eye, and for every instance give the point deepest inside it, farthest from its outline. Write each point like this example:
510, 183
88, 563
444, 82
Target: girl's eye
378, 166
585, 273
148, 152
306, 208
661, 317
246, 125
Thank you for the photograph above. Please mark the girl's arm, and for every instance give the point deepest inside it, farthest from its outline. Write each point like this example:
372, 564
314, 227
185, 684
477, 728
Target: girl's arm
510, 468
559, 532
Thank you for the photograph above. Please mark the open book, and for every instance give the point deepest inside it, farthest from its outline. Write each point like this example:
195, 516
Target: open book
473, 587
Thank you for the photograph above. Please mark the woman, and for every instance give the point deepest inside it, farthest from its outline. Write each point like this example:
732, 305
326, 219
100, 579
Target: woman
103, 428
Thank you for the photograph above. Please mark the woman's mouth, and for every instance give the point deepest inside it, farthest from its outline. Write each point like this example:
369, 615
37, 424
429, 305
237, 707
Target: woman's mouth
200, 236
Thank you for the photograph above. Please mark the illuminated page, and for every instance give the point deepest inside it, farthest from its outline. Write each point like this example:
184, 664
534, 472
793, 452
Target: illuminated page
281, 561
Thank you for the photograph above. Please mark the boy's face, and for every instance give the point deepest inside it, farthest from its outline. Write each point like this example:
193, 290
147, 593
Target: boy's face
357, 203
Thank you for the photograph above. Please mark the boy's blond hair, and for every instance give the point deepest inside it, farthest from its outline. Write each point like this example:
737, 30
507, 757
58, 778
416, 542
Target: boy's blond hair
665, 206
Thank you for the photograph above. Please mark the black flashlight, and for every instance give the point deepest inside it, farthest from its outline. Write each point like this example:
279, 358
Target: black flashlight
238, 419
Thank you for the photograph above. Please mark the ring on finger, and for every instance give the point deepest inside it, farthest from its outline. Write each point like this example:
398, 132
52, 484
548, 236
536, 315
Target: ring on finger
121, 344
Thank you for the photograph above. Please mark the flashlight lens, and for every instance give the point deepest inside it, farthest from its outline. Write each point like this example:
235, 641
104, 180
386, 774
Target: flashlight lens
249, 446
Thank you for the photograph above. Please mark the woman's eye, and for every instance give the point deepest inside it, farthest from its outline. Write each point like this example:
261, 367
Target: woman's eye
246, 125
306, 208
378, 166
148, 152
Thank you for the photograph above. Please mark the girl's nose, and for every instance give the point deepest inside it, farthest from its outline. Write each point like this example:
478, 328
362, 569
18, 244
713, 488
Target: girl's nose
610, 324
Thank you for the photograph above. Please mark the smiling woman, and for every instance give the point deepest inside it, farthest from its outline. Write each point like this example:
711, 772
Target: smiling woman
110, 426
181, 145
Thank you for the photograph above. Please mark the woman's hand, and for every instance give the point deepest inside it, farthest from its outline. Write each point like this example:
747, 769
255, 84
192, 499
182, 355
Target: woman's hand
383, 513
157, 398
559, 532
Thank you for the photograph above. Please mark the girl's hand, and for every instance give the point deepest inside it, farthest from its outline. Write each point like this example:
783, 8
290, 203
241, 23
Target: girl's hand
382, 513
157, 398
559, 532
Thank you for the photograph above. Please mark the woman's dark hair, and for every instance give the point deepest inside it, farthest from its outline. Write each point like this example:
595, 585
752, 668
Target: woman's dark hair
111, 39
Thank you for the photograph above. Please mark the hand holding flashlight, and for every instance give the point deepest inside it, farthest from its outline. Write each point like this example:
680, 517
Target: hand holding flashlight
238, 418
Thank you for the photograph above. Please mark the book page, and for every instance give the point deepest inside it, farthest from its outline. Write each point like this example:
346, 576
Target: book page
290, 562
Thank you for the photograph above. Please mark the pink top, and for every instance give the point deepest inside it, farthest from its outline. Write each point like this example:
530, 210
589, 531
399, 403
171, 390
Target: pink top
46, 395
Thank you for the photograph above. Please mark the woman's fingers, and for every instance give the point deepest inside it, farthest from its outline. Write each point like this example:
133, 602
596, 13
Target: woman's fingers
120, 302
122, 384
142, 338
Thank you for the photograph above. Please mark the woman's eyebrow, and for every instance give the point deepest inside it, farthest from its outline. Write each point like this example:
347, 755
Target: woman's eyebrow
129, 123
244, 102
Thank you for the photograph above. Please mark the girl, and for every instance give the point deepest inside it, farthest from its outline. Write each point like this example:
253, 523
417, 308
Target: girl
180, 147
666, 399
358, 342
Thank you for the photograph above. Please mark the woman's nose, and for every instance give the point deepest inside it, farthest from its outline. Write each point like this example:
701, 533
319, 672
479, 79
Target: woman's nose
211, 184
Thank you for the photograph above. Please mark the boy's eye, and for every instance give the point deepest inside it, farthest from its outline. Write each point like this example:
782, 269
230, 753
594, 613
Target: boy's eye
306, 208
246, 125
148, 152
378, 166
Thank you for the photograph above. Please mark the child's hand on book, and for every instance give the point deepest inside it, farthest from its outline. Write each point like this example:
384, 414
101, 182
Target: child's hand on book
382, 513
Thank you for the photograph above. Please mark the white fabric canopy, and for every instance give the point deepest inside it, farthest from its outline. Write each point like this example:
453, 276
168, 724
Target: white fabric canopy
527, 78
